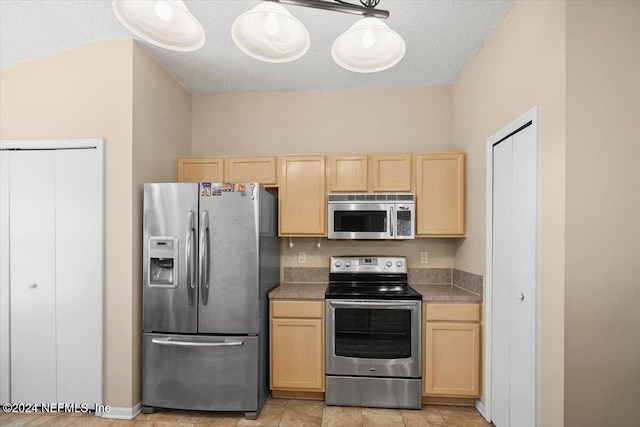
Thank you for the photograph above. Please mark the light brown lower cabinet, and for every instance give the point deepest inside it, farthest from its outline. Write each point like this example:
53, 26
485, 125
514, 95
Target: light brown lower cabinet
297, 346
451, 350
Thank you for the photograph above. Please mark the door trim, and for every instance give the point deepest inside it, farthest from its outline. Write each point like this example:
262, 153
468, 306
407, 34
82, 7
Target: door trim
484, 407
71, 144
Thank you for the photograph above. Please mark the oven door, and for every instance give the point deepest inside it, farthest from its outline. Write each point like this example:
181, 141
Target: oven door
379, 338
360, 221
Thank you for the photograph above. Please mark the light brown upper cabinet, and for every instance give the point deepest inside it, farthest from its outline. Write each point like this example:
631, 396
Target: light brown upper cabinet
440, 194
348, 173
303, 196
391, 172
251, 169
201, 169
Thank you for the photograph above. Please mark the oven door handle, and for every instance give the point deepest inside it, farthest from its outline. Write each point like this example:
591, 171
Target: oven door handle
372, 304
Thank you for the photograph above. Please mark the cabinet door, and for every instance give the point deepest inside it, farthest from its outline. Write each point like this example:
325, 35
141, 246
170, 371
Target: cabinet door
251, 169
303, 204
440, 194
391, 172
297, 354
348, 173
452, 359
204, 169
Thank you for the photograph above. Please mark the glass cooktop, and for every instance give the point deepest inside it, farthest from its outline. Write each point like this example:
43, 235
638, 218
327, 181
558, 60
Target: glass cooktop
371, 291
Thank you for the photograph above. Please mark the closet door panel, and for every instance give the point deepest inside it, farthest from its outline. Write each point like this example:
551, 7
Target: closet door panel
502, 279
523, 285
32, 265
4, 277
78, 229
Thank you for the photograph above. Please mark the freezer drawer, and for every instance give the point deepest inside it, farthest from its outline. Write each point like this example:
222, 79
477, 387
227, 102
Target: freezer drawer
210, 373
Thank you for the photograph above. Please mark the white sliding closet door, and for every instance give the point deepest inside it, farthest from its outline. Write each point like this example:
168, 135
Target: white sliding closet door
513, 352
32, 276
77, 214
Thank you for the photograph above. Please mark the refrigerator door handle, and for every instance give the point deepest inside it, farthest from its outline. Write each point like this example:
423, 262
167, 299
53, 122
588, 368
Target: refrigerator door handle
190, 261
204, 257
175, 343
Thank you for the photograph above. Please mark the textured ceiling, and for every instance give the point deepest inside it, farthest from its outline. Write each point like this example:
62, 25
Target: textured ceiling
441, 38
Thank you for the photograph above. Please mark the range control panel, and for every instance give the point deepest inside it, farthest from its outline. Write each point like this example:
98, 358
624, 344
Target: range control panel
368, 264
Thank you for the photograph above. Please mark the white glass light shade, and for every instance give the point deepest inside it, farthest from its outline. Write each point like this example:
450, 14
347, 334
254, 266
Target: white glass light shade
368, 46
164, 23
270, 33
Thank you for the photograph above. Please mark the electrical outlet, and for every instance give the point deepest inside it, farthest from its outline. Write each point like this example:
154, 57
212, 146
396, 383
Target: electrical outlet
424, 257
302, 257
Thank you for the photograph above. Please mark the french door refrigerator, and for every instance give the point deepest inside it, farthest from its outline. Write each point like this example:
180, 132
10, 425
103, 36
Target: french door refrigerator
211, 255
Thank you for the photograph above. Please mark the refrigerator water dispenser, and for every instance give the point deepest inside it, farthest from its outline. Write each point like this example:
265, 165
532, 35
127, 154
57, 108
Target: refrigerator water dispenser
163, 262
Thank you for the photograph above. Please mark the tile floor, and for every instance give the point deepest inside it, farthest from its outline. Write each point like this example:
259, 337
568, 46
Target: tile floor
276, 412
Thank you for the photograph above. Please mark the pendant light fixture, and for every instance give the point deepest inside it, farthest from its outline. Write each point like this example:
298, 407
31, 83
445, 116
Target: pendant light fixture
368, 46
164, 23
270, 33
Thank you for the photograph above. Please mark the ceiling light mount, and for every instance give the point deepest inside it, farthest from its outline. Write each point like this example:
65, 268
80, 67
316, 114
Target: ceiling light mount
367, 8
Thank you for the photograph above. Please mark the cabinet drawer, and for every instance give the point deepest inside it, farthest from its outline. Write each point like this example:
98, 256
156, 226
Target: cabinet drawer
297, 309
453, 312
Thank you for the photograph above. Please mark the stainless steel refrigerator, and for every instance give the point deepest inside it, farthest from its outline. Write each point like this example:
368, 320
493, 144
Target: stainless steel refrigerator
211, 255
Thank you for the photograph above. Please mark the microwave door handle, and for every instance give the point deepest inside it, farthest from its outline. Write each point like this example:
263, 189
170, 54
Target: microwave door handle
392, 222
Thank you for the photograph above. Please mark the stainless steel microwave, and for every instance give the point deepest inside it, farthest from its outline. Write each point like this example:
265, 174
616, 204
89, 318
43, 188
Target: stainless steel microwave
372, 216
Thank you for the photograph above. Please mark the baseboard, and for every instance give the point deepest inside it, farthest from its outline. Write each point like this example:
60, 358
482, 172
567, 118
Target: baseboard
302, 395
448, 400
122, 413
483, 410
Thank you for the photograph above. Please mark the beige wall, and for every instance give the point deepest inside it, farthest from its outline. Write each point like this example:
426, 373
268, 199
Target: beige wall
521, 65
355, 121
86, 93
161, 133
373, 120
602, 347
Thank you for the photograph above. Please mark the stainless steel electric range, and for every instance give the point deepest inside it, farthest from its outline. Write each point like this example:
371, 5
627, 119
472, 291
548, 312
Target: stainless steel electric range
373, 334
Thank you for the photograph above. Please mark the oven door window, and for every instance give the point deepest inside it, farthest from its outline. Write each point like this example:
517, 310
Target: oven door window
360, 221
373, 333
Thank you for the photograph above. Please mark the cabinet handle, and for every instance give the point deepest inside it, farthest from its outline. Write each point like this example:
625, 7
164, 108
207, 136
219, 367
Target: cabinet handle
33, 285
521, 297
